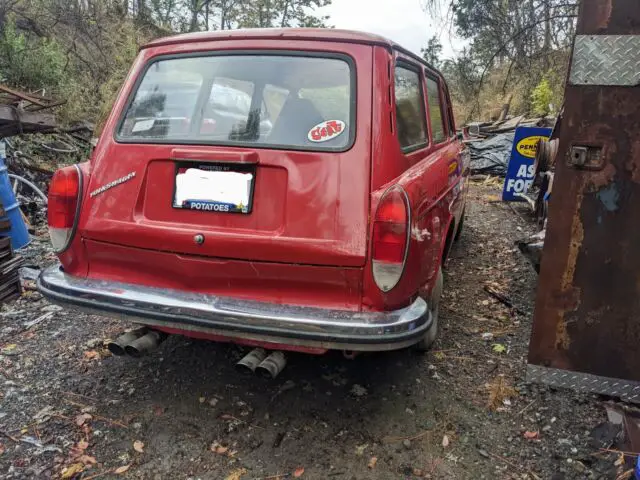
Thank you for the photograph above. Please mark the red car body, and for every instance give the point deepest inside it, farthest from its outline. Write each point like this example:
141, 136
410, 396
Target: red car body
306, 245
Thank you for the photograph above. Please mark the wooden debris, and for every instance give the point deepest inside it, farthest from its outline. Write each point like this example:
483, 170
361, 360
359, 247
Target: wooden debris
20, 112
505, 109
503, 125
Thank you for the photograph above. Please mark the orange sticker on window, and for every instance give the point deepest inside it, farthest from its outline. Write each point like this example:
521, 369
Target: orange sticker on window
326, 131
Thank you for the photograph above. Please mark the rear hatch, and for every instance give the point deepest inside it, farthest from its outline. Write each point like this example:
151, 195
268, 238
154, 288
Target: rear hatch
244, 156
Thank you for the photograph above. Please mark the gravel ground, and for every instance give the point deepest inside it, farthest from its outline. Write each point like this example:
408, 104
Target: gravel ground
68, 409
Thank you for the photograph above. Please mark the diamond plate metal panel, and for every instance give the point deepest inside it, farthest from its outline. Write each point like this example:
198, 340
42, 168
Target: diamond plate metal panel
606, 60
626, 390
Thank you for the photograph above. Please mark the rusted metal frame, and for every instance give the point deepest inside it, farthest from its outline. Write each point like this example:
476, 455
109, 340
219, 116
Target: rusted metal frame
586, 331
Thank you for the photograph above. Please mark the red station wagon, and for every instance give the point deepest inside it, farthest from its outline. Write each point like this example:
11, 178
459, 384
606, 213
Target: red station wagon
293, 189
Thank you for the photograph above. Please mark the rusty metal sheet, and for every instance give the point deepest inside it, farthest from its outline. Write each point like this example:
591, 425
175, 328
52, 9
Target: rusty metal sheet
587, 316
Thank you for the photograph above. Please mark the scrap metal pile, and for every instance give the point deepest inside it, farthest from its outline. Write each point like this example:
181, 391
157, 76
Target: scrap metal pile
25, 113
36, 147
33, 159
547, 151
490, 143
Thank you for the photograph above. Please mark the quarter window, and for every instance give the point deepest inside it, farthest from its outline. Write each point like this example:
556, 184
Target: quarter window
452, 127
410, 114
435, 111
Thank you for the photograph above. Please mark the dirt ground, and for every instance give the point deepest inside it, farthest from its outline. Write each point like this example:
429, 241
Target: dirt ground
462, 411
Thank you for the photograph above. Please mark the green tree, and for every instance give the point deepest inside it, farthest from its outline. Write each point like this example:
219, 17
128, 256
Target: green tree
511, 46
281, 13
30, 64
541, 98
432, 52
81, 50
229, 14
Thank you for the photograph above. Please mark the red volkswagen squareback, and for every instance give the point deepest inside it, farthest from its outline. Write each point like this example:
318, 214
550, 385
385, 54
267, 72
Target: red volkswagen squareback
292, 189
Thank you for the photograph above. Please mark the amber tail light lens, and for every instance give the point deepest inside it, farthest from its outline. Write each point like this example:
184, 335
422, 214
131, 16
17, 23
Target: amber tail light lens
390, 238
64, 202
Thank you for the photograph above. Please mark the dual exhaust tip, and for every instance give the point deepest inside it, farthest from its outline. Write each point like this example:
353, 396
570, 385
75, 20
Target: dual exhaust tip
136, 343
260, 362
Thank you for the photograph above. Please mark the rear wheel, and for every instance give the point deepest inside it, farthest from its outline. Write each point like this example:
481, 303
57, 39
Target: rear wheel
434, 308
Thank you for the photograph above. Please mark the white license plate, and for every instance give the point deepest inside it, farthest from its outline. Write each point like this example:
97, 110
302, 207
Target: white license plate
210, 188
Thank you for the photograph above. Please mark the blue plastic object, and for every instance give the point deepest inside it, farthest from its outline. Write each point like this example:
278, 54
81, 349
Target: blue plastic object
18, 233
637, 470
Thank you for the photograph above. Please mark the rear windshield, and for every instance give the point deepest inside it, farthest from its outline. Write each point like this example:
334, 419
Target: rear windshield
281, 101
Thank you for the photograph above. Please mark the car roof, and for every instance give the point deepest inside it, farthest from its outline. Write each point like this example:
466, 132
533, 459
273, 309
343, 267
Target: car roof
326, 34
313, 34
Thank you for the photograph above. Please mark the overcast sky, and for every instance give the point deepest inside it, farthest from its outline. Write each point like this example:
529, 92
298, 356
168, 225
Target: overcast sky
403, 21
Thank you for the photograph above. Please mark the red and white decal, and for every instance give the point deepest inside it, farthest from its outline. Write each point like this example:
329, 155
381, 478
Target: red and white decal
326, 131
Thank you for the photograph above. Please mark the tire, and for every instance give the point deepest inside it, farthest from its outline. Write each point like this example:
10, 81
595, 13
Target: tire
434, 307
460, 226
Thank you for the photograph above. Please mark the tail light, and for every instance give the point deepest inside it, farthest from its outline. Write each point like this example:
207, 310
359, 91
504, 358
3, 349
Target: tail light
390, 238
63, 207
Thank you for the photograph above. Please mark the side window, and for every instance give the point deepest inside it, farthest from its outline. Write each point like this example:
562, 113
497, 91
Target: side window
410, 114
451, 122
435, 111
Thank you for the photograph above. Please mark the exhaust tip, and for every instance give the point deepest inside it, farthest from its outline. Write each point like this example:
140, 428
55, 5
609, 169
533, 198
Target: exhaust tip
118, 346
264, 373
250, 362
116, 349
132, 351
271, 366
145, 344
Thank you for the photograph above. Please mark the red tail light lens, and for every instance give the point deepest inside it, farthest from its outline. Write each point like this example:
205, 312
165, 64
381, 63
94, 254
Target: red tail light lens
64, 200
390, 238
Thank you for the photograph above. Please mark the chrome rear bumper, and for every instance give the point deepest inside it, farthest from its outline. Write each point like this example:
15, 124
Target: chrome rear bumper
243, 319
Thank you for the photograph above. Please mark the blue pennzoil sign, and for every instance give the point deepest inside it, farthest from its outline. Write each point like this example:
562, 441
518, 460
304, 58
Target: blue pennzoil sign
520, 172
